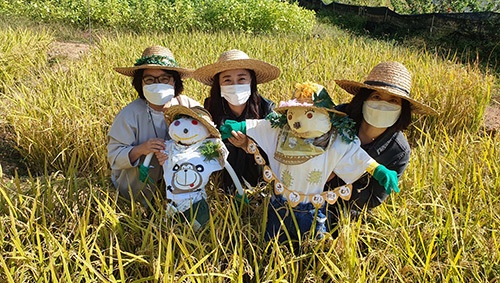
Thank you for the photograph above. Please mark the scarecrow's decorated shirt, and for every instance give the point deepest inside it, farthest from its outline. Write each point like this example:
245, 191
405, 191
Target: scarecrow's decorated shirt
188, 169
308, 175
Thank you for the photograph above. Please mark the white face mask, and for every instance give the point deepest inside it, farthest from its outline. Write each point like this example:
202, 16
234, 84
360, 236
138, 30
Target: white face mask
236, 94
158, 94
381, 114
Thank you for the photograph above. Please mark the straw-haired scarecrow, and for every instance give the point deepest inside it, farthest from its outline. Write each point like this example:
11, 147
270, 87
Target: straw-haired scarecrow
307, 140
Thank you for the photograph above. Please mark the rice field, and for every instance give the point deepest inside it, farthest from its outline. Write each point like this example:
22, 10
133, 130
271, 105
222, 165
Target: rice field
63, 222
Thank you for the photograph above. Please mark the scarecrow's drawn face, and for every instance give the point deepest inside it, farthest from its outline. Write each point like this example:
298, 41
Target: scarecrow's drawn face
308, 122
186, 130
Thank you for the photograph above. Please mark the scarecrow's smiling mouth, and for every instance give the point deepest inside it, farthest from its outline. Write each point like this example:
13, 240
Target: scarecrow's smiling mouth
186, 138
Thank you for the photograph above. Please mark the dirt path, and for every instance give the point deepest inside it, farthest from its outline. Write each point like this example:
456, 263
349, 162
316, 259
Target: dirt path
492, 116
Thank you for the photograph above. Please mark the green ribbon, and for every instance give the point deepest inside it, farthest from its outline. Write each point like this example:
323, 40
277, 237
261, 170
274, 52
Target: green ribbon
156, 60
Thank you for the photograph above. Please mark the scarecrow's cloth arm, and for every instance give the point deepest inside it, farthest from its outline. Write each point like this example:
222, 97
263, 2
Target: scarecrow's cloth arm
264, 135
357, 157
259, 130
224, 164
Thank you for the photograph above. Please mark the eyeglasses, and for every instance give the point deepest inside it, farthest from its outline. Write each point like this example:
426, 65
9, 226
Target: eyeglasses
163, 79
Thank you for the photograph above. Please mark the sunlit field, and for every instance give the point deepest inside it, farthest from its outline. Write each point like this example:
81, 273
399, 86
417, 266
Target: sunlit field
63, 222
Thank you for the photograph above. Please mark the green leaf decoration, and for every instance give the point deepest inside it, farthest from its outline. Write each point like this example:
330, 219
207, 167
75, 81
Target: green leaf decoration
345, 127
277, 120
157, 60
210, 150
322, 99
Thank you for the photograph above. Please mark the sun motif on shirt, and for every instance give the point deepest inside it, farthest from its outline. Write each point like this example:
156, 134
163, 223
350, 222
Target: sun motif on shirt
314, 177
286, 178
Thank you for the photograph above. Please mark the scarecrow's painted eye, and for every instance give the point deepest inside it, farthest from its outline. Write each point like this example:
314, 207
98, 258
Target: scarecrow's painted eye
177, 123
194, 122
309, 114
290, 116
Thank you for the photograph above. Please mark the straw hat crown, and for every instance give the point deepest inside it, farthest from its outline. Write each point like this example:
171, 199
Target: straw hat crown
236, 59
392, 78
155, 57
197, 112
310, 95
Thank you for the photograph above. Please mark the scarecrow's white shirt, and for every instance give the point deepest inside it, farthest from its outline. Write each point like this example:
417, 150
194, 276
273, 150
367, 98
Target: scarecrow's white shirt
348, 160
186, 172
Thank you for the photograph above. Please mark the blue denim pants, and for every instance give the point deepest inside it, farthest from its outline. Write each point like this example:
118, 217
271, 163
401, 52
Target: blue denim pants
296, 221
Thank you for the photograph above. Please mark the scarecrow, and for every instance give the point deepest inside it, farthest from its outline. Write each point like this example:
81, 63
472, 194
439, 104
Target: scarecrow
194, 152
306, 140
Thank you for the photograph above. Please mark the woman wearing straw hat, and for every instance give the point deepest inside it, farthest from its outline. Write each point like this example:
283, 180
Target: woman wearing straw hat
139, 129
381, 108
234, 95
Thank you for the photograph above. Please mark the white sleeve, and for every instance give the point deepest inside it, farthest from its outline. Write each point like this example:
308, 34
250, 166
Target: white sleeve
353, 162
263, 134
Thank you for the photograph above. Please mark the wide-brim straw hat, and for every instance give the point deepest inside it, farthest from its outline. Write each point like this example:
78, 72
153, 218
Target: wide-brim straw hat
309, 95
197, 112
155, 57
236, 59
389, 77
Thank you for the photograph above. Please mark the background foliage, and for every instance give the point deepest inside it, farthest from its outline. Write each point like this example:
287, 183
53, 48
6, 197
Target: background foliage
180, 15
426, 6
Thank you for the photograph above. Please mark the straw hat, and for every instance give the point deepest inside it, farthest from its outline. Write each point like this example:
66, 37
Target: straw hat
389, 77
197, 112
309, 95
236, 59
155, 57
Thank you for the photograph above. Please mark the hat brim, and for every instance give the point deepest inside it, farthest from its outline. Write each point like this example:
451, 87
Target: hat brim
354, 88
130, 71
282, 110
173, 111
264, 72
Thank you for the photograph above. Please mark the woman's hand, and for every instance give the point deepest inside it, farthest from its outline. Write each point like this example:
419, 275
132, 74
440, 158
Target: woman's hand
151, 145
161, 156
239, 139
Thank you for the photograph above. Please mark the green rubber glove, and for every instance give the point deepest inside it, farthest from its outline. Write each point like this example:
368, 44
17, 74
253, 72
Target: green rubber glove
144, 173
232, 125
386, 178
238, 198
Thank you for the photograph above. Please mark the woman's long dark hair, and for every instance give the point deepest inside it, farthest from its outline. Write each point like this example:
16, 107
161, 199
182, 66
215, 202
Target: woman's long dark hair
217, 105
137, 82
355, 110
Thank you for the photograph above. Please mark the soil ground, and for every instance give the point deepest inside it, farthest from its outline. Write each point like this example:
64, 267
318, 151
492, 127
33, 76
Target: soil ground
11, 160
